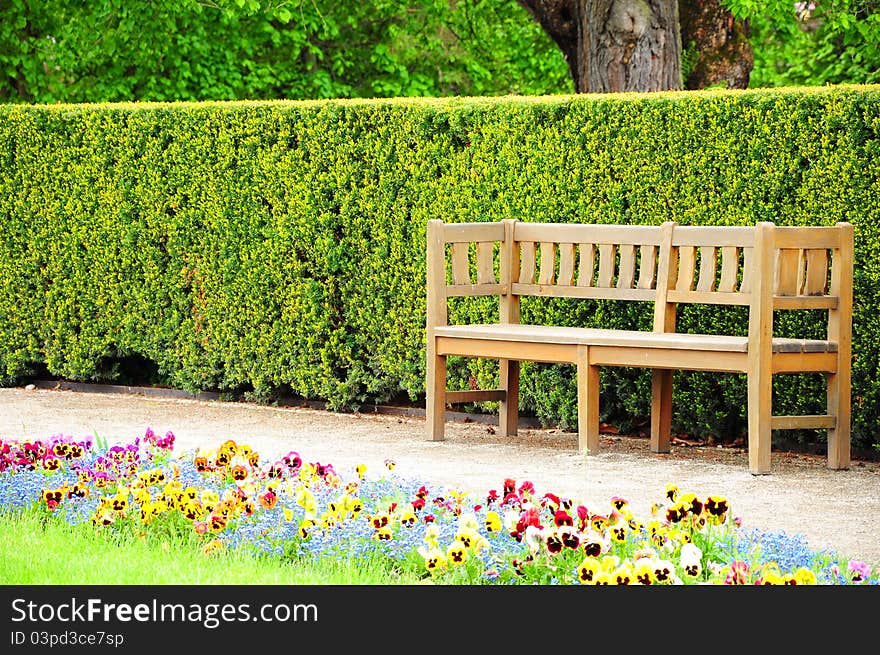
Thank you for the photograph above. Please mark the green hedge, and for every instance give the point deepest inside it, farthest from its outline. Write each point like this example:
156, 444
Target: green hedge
279, 246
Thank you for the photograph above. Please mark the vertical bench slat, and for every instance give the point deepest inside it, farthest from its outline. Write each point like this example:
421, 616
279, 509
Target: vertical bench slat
647, 266
686, 266
548, 263
566, 264
729, 267
627, 271
788, 271
816, 282
527, 262
708, 265
586, 265
746, 286
486, 262
461, 273
606, 264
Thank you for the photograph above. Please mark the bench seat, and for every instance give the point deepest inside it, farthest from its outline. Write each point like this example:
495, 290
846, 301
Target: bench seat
631, 338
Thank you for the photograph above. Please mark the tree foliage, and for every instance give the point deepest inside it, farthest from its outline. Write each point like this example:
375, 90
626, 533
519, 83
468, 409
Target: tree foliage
812, 43
109, 50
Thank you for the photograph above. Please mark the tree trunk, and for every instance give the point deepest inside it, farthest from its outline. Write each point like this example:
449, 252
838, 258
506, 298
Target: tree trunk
615, 45
717, 49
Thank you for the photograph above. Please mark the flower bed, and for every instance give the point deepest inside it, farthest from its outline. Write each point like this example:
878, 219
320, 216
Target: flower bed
232, 498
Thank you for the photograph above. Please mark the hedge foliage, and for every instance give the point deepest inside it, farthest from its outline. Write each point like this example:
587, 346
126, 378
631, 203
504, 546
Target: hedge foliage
279, 246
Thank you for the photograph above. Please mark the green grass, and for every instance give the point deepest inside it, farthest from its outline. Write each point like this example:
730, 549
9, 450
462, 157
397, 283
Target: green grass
46, 552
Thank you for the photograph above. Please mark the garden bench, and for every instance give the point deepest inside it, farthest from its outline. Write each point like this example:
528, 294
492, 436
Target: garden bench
764, 267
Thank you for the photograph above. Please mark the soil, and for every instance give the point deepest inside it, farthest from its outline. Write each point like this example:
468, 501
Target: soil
833, 510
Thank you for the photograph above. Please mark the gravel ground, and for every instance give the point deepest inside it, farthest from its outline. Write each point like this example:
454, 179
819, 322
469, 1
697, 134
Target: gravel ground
835, 510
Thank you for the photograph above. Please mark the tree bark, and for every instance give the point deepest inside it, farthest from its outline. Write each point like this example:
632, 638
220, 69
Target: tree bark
615, 45
716, 46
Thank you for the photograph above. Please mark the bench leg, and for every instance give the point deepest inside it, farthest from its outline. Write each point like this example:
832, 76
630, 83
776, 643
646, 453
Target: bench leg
661, 410
838, 436
508, 415
435, 401
760, 406
588, 402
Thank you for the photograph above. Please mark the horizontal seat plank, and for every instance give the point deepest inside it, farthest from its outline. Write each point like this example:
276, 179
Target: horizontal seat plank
625, 338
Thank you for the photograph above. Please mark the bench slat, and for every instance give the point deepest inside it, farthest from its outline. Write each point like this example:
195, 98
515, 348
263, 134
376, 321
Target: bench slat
814, 421
729, 268
708, 263
713, 235
527, 262
586, 233
566, 264
606, 264
548, 263
486, 262
748, 255
471, 232
461, 273
805, 302
595, 293
587, 264
627, 268
647, 267
686, 266
807, 237
709, 297
789, 265
816, 281
626, 338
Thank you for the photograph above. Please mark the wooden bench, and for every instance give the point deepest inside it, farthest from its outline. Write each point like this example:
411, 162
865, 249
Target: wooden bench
763, 267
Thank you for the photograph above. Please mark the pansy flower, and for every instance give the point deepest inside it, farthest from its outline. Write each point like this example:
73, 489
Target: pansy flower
619, 502
216, 523
858, 571
239, 473
671, 492
456, 553
588, 569
717, 506
553, 542
624, 574
690, 558
738, 573
803, 576
51, 463
360, 469
52, 497
618, 532
676, 513
509, 486
492, 522
408, 518
664, 571
561, 518
690, 503
594, 544
292, 460
268, 500
570, 538
643, 569
435, 561
390, 464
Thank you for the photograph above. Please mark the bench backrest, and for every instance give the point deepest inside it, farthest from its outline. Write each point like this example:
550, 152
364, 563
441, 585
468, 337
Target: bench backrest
763, 266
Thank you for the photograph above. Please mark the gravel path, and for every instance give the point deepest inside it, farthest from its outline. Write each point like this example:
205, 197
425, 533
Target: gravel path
836, 510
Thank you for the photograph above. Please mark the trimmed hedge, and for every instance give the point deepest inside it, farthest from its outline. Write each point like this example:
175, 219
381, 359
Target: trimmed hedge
279, 246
